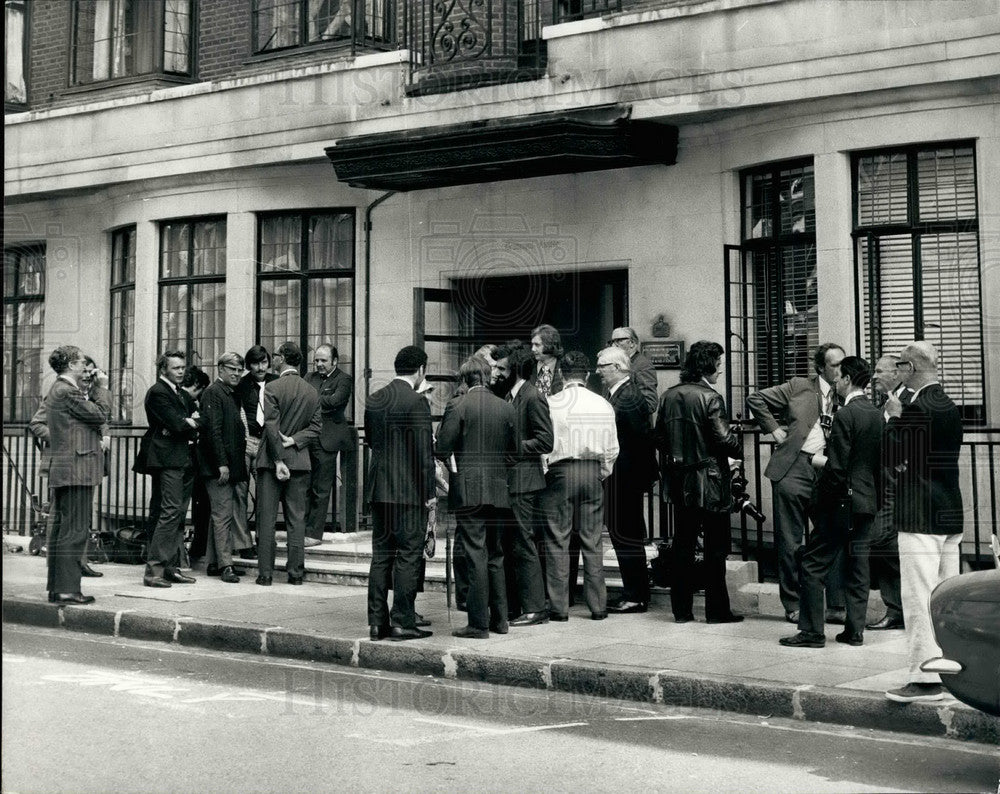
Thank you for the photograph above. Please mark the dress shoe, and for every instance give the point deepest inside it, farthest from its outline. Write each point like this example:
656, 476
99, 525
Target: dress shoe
802, 640
151, 580
311, 542
627, 607
213, 570
86, 570
792, 616
500, 628
730, 618
558, 617
599, 615
689, 618
916, 692
531, 619
399, 634
73, 598
264, 581
377, 633
175, 576
52, 597
229, 575
887, 623
471, 633
248, 554
294, 579
461, 606
421, 621
836, 617
850, 639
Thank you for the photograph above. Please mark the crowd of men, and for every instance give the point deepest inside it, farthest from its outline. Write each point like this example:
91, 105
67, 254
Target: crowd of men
535, 465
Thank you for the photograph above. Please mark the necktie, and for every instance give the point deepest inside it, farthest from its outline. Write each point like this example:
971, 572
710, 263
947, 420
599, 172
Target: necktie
260, 406
544, 381
510, 397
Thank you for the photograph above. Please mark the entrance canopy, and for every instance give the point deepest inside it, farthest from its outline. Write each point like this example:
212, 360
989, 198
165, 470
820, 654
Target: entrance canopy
497, 149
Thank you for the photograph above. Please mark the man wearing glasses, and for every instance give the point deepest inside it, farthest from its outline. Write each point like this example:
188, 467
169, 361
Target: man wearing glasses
922, 444
642, 370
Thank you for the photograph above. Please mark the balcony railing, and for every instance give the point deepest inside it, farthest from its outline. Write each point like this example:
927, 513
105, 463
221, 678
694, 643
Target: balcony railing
122, 498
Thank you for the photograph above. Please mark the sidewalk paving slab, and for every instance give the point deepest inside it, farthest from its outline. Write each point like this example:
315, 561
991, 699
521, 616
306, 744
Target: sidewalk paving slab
645, 657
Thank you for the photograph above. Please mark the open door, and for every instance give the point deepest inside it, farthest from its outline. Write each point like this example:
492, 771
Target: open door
443, 327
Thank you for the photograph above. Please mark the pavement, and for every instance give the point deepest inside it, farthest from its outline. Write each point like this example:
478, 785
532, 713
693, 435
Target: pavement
646, 658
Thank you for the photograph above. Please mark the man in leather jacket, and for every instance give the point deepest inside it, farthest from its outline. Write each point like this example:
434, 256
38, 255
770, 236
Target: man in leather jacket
693, 434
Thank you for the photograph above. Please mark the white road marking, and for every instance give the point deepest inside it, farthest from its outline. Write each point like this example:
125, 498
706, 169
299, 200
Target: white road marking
503, 731
642, 719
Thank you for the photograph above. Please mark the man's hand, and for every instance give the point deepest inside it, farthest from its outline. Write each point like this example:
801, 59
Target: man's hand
223, 475
893, 406
779, 435
281, 471
286, 441
431, 502
191, 420
101, 378
818, 460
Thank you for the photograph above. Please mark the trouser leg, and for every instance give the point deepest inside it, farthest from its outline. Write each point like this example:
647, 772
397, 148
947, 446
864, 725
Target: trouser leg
821, 552
268, 494
321, 478
856, 552
715, 527
294, 501
383, 557
408, 526
175, 494
791, 496
472, 530
557, 518
349, 477
527, 569
72, 508
589, 520
222, 497
687, 524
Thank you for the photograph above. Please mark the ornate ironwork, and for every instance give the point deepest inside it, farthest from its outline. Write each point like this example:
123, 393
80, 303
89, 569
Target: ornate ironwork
462, 30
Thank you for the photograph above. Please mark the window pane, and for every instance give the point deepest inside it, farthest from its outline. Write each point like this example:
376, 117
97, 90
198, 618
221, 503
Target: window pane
888, 296
208, 317
756, 214
173, 316
28, 365
123, 257
31, 272
881, 190
946, 184
797, 201
10, 257
331, 305
329, 19
280, 306
16, 91
277, 24
280, 243
120, 366
331, 241
8, 360
174, 245
177, 36
209, 248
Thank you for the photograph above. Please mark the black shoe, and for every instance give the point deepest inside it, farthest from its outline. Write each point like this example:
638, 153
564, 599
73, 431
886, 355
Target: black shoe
558, 617
175, 576
688, 618
792, 616
888, 623
377, 633
86, 570
294, 579
52, 597
461, 606
598, 615
229, 575
264, 581
531, 619
850, 639
802, 640
151, 580
500, 628
624, 607
239, 571
248, 554
399, 634
471, 633
213, 570
421, 621
730, 618
72, 598
836, 617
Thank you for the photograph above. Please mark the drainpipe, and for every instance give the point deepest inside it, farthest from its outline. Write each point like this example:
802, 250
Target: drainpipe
368, 288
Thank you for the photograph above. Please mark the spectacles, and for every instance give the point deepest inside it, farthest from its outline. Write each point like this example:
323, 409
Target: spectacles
232, 368
616, 340
606, 364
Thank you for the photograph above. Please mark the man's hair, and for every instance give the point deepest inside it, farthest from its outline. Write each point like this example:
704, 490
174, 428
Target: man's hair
575, 364
924, 354
88, 360
292, 354
700, 361
519, 358
161, 362
195, 376
551, 341
475, 371
819, 357
615, 355
857, 369
630, 331
487, 350
893, 356
328, 346
409, 359
232, 358
62, 357
257, 354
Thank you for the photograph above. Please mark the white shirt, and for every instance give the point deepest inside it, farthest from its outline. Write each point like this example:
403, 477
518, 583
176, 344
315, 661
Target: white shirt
516, 388
618, 385
816, 441
583, 426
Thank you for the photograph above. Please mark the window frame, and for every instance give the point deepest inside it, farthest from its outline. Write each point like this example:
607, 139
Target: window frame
25, 6
122, 411
304, 274
915, 229
186, 280
16, 299
304, 44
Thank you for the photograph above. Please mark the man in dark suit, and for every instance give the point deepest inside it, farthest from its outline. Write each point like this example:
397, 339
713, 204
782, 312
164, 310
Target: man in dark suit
76, 466
845, 506
171, 435
337, 436
525, 482
640, 367
292, 420
923, 441
222, 459
400, 489
798, 415
478, 430
546, 346
634, 472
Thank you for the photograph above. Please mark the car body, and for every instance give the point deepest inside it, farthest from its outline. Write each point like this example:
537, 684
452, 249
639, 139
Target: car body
965, 611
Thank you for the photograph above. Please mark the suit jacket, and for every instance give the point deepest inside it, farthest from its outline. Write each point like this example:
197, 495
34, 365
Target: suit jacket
478, 429
167, 439
644, 378
246, 396
291, 408
922, 446
533, 433
398, 429
854, 458
797, 404
635, 466
222, 441
39, 426
74, 428
335, 392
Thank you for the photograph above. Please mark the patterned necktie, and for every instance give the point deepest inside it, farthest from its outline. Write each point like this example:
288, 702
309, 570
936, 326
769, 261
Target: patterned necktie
544, 382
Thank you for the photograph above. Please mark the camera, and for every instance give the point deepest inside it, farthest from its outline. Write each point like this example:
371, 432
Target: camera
742, 503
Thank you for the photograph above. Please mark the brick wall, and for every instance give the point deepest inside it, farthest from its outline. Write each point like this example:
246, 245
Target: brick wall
48, 49
224, 31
